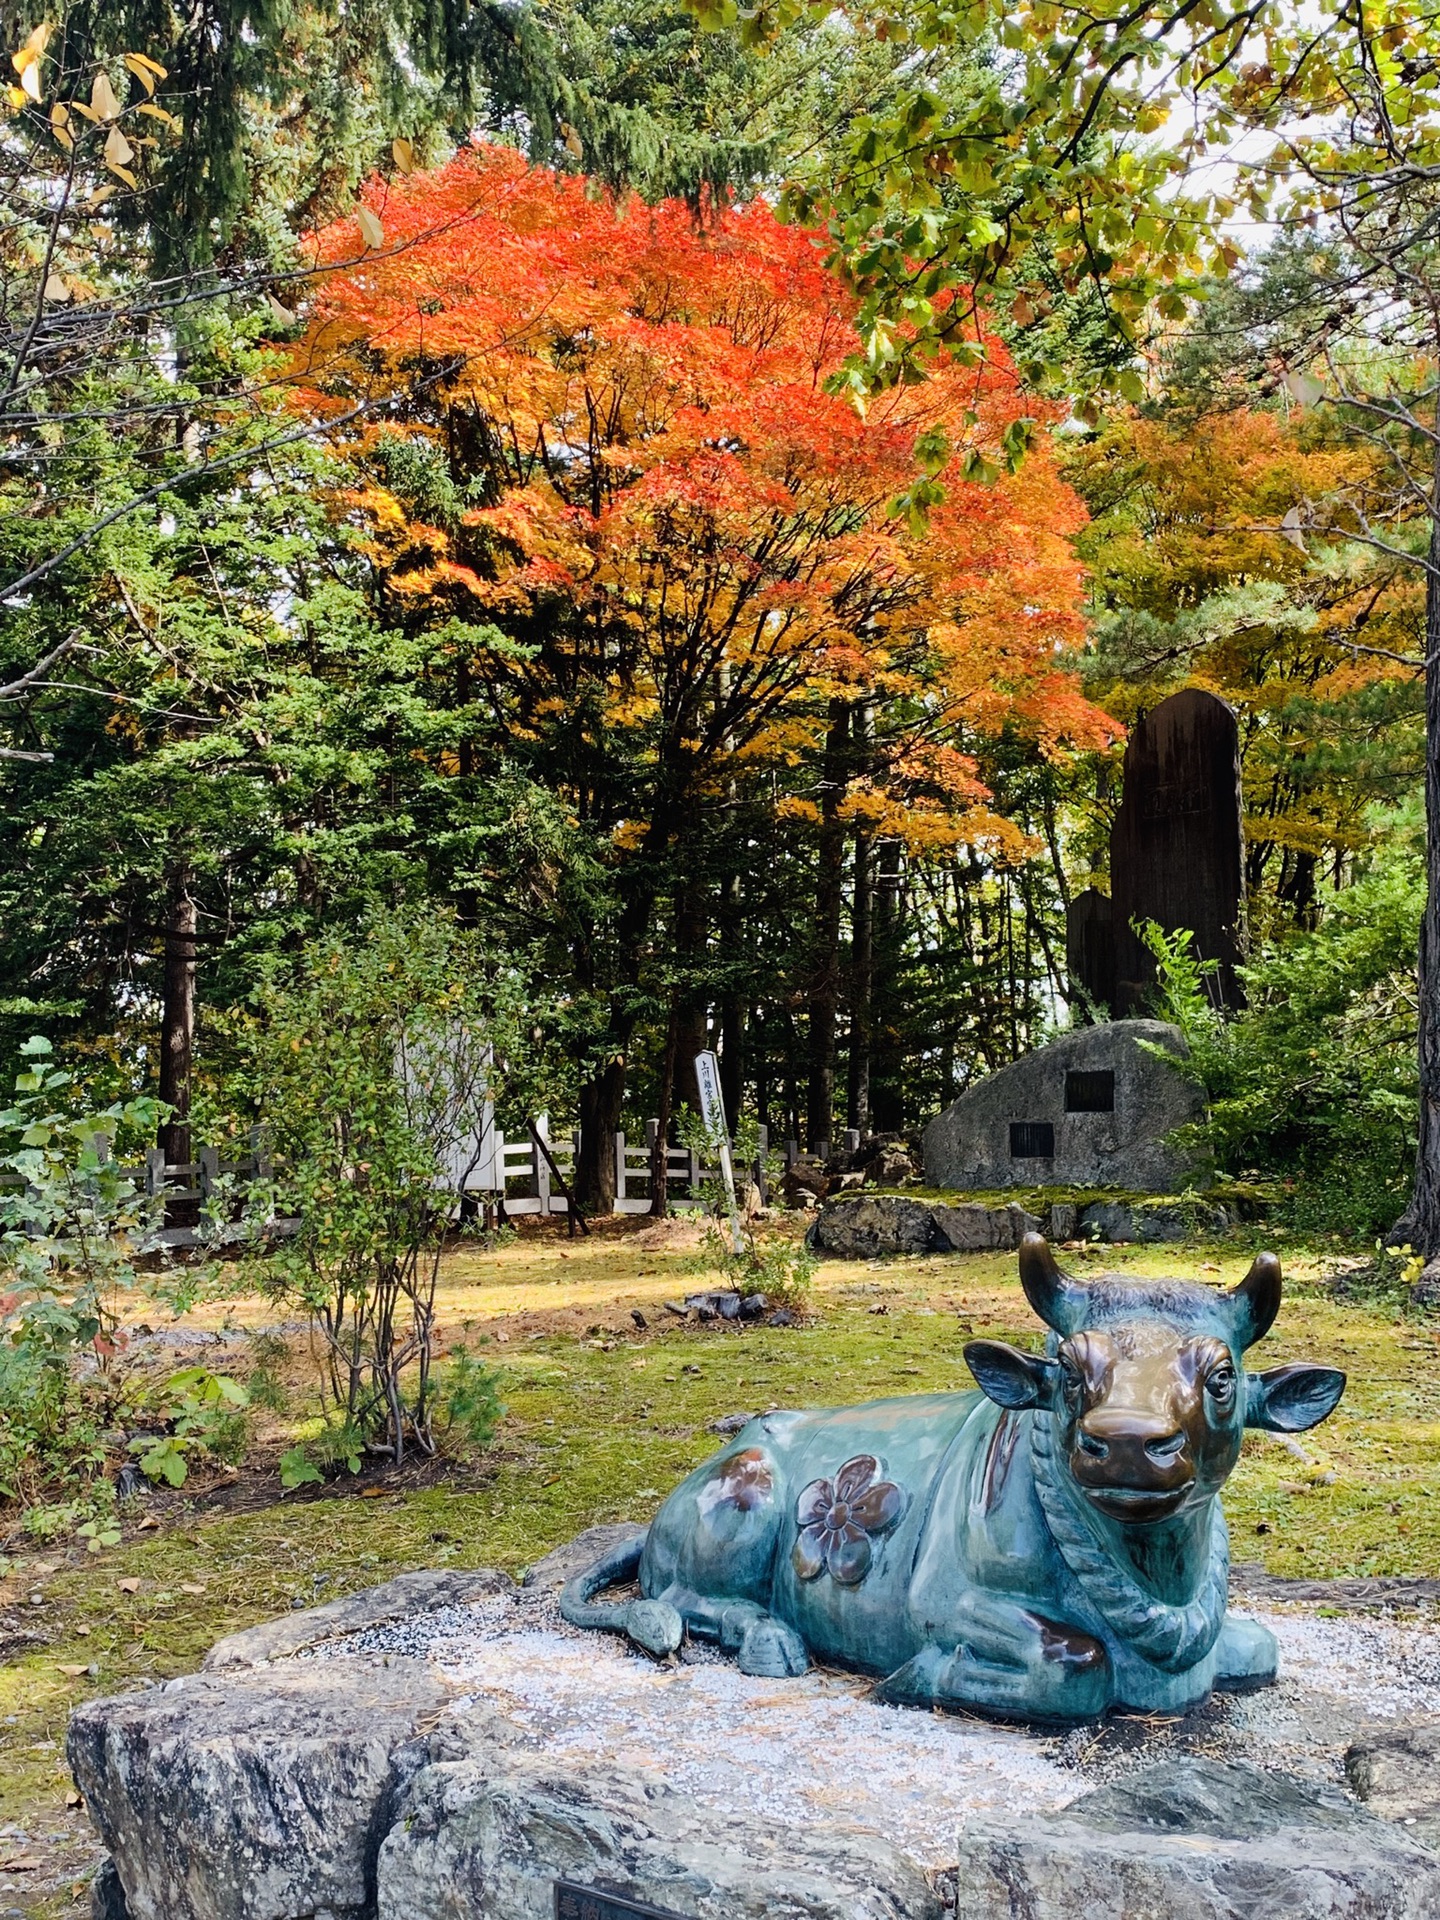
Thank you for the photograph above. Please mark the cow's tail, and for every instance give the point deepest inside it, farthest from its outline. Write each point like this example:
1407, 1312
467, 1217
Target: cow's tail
612, 1569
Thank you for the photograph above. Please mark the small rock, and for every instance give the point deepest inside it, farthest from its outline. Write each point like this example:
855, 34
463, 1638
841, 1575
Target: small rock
1195, 1838
753, 1305
781, 1317
731, 1423
639, 1318
891, 1167
1064, 1221
1426, 1291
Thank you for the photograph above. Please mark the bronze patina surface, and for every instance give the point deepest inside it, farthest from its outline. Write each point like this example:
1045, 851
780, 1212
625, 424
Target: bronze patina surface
1047, 1548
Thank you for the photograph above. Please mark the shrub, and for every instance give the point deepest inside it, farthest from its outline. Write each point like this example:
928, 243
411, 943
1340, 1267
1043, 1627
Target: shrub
1316, 1078
372, 1063
72, 1226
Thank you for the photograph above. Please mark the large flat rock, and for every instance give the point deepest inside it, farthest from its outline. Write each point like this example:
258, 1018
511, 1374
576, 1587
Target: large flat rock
460, 1758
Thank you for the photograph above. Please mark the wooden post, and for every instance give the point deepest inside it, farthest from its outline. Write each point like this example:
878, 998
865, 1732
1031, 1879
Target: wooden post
540, 1137
619, 1167
573, 1215
155, 1164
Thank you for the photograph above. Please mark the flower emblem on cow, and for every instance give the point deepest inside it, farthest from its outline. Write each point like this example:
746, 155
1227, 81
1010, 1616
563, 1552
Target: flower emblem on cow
840, 1520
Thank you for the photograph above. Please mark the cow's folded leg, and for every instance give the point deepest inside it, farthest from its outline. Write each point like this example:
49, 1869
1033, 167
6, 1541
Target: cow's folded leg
762, 1645
1011, 1662
1246, 1655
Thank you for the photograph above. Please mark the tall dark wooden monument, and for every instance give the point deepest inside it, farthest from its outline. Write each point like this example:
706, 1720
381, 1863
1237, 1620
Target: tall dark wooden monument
1176, 855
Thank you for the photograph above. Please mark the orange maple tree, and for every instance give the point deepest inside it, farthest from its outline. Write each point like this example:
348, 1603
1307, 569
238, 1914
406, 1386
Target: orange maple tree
694, 549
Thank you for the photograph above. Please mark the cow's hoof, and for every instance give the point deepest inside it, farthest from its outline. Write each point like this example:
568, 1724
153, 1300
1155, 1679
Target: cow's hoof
655, 1626
772, 1651
1246, 1656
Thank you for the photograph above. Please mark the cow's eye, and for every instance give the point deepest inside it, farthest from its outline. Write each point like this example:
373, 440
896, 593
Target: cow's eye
1071, 1381
1221, 1384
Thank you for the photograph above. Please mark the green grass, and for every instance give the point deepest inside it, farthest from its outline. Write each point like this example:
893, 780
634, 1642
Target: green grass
600, 1427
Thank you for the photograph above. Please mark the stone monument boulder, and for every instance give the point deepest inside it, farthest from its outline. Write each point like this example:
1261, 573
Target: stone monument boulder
1090, 1110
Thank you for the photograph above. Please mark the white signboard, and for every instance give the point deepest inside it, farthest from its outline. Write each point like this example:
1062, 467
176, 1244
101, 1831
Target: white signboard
712, 1109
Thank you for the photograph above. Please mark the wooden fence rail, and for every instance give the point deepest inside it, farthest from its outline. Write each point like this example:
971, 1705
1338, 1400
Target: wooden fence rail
512, 1175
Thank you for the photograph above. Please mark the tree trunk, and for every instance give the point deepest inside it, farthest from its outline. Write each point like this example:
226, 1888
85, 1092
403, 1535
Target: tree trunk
602, 1101
1420, 1223
825, 961
660, 1146
732, 1013
177, 1021
886, 1094
861, 969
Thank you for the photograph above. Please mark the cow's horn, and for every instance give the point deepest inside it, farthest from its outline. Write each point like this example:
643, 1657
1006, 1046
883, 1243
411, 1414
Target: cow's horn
1053, 1295
1257, 1300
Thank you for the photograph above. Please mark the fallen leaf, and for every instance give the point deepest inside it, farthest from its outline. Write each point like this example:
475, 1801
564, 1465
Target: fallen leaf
71, 1668
149, 1524
73, 1799
55, 288
128, 1586
371, 231
372, 1493
190, 1587
279, 312
403, 155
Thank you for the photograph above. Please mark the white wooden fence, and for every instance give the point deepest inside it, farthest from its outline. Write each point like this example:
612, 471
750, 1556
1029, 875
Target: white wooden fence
513, 1174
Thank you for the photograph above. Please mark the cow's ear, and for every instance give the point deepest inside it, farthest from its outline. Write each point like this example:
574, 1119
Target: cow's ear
1012, 1378
1290, 1399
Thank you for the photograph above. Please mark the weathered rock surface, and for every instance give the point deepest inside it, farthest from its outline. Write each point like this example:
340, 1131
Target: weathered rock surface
562, 1565
258, 1795
1118, 1220
1195, 1840
1397, 1774
486, 1839
862, 1226
996, 1133
859, 1226
406, 1594
357, 1786
972, 1227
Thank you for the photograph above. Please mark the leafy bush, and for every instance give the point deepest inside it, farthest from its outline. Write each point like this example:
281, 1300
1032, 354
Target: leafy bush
200, 1413
372, 1063
1316, 1078
72, 1226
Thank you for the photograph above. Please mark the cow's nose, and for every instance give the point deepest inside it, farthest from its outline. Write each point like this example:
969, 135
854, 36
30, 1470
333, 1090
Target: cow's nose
1166, 1449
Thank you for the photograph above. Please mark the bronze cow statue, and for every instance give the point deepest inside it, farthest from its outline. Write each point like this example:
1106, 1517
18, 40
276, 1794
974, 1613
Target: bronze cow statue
1046, 1549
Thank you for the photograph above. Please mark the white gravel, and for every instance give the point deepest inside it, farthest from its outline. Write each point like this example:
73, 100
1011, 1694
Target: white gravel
818, 1748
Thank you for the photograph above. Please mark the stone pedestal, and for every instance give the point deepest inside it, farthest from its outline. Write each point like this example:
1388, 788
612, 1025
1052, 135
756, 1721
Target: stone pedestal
454, 1758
